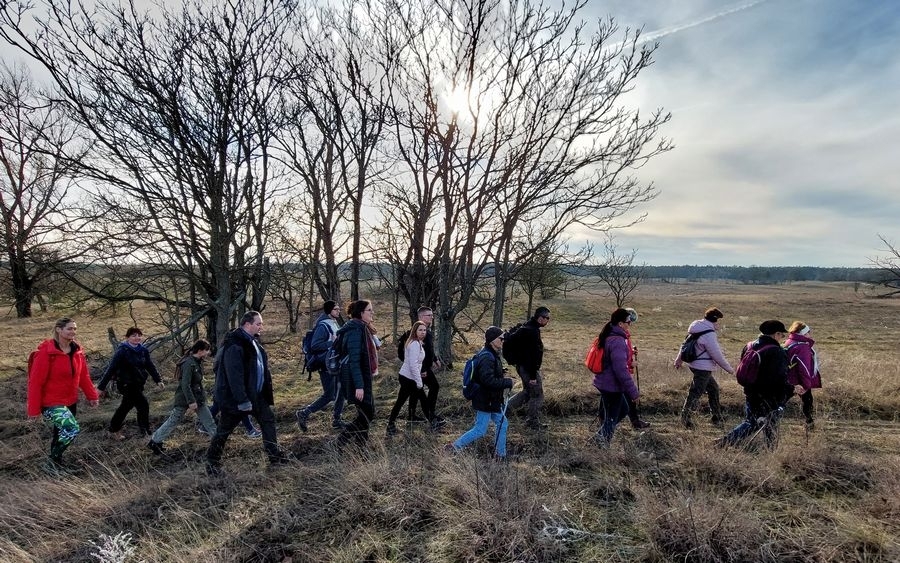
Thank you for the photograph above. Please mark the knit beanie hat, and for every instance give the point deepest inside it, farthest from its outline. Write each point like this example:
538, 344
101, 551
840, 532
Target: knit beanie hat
491, 333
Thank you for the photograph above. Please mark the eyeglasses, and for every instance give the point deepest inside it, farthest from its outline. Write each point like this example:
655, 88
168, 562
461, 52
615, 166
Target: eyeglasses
369, 311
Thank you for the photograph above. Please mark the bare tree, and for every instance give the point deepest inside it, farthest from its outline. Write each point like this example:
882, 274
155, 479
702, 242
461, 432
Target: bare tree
549, 268
507, 114
618, 271
182, 108
889, 266
35, 183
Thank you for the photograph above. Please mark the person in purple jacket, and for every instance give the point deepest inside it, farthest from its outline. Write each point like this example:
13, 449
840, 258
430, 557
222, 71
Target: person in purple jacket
614, 382
803, 366
708, 357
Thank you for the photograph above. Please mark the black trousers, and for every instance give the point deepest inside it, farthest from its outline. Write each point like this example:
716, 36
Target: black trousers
429, 401
228, 421
132, 398
409, 391
358, 429
806, 400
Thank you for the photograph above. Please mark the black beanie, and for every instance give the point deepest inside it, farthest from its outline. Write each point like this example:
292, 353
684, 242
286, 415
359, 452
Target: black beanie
771, 327
491, 333
329, 306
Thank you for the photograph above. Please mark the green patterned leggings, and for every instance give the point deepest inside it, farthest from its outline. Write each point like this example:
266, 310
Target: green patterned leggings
65, 429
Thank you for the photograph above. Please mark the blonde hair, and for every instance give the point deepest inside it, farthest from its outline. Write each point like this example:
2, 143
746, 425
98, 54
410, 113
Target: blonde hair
796, 326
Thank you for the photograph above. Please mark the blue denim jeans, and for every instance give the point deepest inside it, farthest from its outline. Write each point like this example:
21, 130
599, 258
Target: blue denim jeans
480, 429
331, 391
756, 419
615, 405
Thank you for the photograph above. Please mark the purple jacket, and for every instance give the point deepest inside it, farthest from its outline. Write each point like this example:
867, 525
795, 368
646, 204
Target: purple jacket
615, 377
803, 367
709, 353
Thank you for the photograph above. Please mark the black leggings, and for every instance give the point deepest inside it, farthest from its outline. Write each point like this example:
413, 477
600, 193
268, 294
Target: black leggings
408, 390
132, 398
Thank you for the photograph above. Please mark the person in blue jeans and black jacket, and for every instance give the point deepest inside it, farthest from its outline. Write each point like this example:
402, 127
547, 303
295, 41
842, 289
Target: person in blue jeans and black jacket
323, 335
488, 401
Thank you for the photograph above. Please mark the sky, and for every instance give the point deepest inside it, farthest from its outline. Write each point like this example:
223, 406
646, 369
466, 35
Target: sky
785, 122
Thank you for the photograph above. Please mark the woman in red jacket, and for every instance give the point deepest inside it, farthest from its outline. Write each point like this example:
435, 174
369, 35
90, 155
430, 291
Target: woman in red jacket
56, 371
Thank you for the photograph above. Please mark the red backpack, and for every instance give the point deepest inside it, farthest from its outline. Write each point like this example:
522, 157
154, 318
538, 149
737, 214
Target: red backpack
594, 358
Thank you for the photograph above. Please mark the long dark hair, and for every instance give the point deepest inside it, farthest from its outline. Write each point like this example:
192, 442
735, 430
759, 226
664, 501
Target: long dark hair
356, 309
620, 315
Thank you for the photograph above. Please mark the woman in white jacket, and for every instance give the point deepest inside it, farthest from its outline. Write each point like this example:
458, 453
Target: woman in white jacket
410, 374
709, 355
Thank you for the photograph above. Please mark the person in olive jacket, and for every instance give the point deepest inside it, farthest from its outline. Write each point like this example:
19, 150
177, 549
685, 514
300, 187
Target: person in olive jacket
488, 401
189, 396
244, 386
130, 367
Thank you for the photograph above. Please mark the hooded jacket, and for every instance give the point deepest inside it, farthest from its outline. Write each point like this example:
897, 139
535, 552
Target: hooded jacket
803, 365
616, 377
55, 377
709, 353
130, 366
491, 383
236, 372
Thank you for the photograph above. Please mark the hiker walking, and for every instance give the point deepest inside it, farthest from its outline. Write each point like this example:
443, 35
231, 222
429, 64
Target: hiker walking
709, 355
323, 335
189, 397
130, 367
430, 365
359, 361
766, 388
614, 382
803, 366
530, 355
244, 386
411, 373
56, 371
488, 400
634, 414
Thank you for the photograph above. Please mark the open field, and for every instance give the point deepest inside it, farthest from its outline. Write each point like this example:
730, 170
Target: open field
661, 495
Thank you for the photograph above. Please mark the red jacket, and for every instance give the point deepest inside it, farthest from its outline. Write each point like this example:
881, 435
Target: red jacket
54, 378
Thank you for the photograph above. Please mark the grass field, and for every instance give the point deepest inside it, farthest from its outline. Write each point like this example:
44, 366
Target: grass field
661, 495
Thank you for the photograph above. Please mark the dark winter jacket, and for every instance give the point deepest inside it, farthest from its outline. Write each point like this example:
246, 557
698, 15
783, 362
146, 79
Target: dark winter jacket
771, 389
55, 377
236, 375
356, 372
530, 347
491, 383
190, 385
130, 367
321, 340
616, 377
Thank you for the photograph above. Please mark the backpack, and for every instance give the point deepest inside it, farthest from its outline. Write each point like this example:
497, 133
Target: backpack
594, 358
470, 387
747, 370
511, 345
401, 345
313, 361
179, 368
336, 356
688, 351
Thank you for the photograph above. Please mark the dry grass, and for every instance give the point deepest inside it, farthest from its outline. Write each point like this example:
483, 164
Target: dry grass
662, 495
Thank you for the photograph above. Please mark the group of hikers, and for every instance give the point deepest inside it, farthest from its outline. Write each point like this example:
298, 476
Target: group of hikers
771, 368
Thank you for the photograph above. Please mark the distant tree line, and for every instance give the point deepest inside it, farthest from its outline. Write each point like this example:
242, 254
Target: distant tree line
760, 274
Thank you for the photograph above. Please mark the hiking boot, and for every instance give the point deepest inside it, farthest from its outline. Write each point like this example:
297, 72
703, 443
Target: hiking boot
601, 441
255, 433
437, 423
810, 425
202, 430
391, 428
338, 424
117, 436
687, 422
417, 418
640, 424
302, 419
214, 470
283, 458
156, 447
718, 421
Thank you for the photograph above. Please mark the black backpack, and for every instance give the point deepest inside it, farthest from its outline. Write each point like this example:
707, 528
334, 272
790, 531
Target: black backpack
689, 346
512, 345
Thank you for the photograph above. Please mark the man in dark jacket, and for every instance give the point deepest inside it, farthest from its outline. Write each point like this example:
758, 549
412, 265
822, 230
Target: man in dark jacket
531, 350
244, 386
488, 401
768, 394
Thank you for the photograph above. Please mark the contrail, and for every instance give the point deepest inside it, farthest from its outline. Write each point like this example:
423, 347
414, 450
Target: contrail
654, 35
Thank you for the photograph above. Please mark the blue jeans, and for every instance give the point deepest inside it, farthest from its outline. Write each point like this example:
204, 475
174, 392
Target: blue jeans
480, 429
615, 405
331, 391
760, 417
